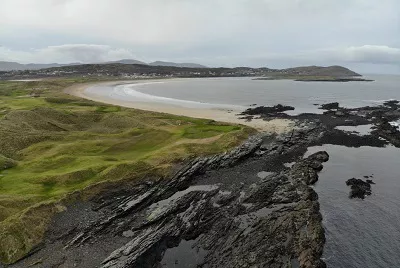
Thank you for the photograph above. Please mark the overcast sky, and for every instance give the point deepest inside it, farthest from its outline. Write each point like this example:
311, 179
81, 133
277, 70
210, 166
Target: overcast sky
361, 34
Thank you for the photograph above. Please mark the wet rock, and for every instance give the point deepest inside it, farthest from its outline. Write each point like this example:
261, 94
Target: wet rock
392, 103
359, 188
267, 111
321, 156
337, 113
370, 181
330, 106
384, 129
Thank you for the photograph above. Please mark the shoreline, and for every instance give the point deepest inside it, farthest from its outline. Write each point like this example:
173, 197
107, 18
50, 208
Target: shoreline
221, 115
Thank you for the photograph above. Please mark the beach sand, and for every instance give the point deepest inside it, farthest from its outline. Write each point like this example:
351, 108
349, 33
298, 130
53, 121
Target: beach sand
222, 115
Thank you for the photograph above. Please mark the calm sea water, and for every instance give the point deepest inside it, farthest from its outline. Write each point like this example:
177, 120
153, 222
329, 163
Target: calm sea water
239, 93
360, 233
302, 95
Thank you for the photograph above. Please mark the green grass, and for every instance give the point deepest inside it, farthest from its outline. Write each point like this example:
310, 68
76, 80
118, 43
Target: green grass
53, 144
207, 131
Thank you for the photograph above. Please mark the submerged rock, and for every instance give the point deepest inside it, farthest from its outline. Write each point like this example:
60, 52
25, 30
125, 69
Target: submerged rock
359, 188
330, 106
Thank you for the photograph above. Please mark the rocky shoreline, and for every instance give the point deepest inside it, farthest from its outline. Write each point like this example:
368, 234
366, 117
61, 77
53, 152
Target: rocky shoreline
251, 207
383, 131
229, 211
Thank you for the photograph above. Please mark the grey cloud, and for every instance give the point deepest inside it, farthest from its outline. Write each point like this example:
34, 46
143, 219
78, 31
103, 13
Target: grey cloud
372, 54
183, 23
217, 32
85, 53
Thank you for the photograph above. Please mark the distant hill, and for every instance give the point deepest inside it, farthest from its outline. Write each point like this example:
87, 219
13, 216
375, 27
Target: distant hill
7, 66
334, 71
173, 64
128, 61
10, 66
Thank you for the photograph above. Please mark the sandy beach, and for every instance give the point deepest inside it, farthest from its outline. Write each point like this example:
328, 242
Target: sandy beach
222, 115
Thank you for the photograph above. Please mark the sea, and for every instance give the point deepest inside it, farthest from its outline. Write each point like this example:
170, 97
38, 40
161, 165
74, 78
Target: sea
359, 233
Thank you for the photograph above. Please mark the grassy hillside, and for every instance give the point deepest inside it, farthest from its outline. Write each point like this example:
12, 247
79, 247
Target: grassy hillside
53, 144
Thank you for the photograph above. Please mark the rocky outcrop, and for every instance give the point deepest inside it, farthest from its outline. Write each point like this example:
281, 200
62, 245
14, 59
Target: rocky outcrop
330, 106
382, 116
359, 188
387, 131
267, 111
228, 225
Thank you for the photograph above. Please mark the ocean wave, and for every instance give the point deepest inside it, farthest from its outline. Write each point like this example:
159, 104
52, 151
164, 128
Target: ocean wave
129, 91
395, 123
378, 101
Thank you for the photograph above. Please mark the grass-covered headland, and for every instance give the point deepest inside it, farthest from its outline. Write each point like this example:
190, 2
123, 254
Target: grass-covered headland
54, 146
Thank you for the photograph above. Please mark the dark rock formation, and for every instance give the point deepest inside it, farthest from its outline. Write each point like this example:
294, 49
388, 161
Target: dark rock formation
392, 103
267, 111
359, 188
387, 131
379, 116
338, 113
330, 106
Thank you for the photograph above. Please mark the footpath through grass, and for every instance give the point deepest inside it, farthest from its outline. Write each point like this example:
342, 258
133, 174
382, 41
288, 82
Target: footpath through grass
52, 144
